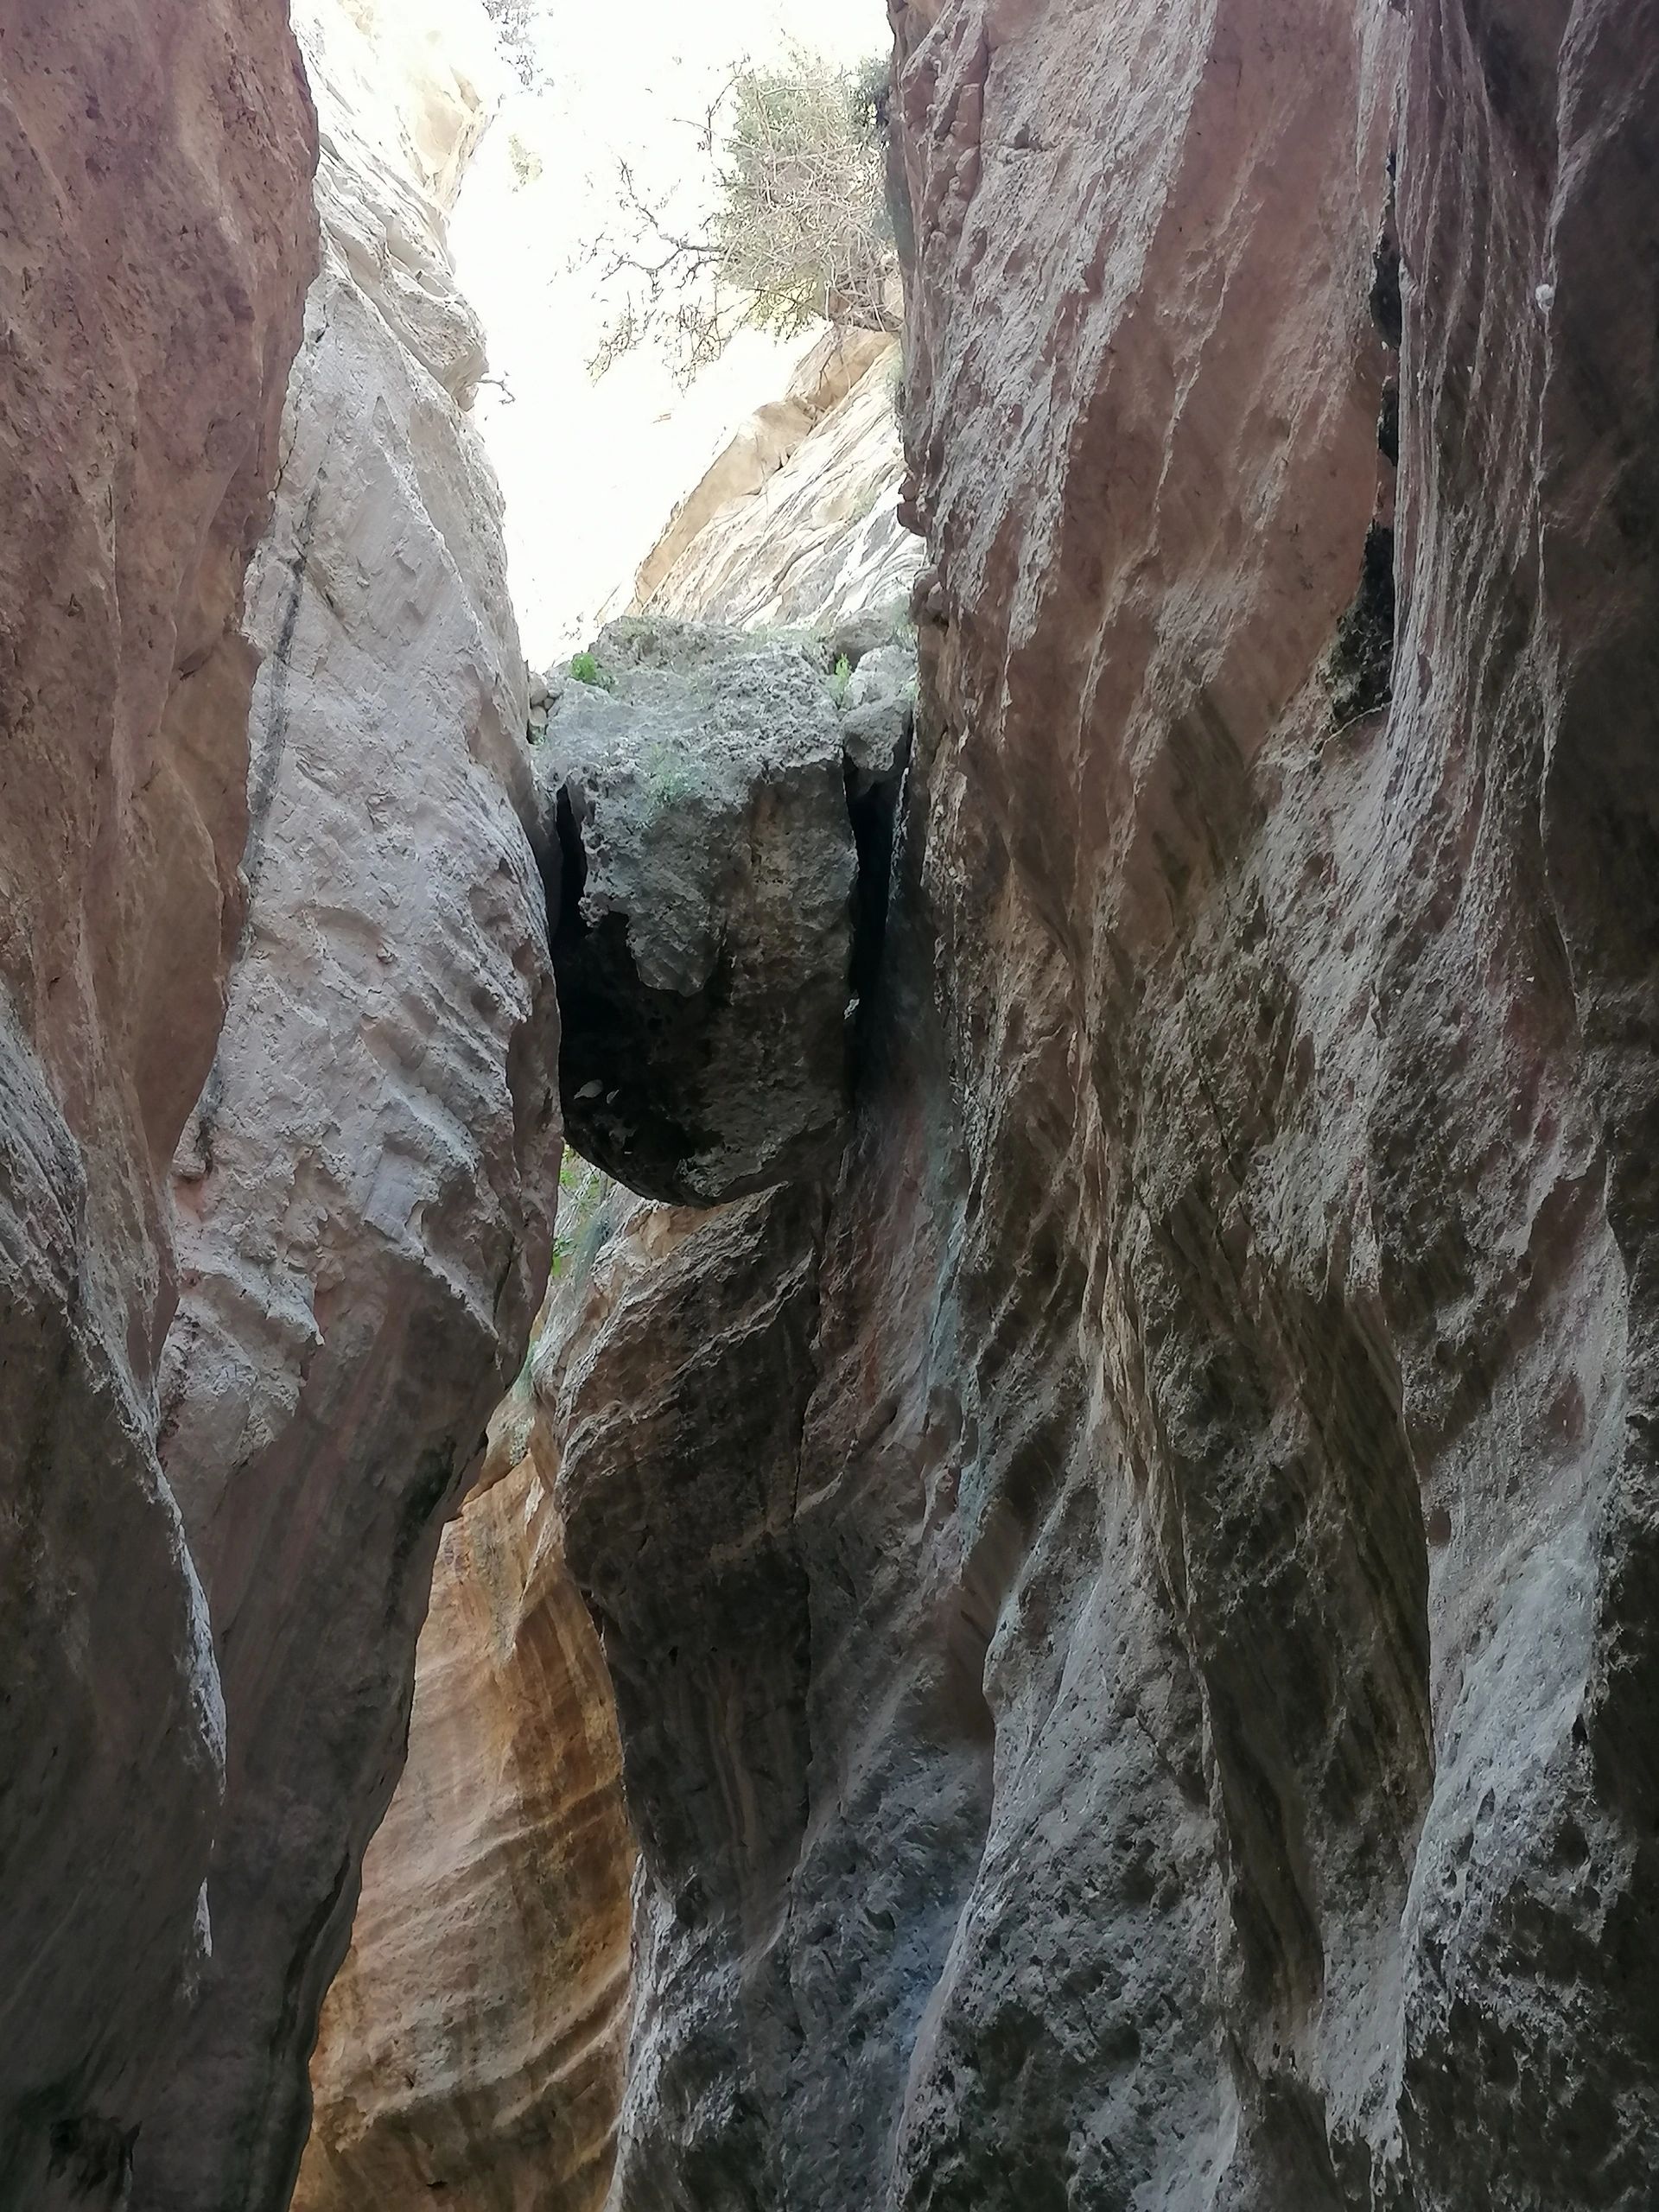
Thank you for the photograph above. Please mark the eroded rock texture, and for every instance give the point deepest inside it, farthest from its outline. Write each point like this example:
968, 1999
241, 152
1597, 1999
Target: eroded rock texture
366, 1189
1132, 1613
799, 514
156, 240
705, 941
473, 2043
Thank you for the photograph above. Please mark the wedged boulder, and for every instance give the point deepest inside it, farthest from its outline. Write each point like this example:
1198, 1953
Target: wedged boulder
705, 942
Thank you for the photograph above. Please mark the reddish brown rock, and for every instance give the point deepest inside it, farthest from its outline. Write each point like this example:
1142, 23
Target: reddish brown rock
473, 2040
155, 238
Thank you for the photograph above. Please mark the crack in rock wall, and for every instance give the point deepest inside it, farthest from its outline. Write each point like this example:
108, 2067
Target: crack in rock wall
474, 2042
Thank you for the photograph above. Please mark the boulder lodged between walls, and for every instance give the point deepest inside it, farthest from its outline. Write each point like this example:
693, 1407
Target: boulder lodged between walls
698, 792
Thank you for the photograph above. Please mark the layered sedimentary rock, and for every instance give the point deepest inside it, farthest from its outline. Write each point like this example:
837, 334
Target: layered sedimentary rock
770, 548
156, 241
366, 1188
1132, 1611
816, 530
704, 948
473, 2043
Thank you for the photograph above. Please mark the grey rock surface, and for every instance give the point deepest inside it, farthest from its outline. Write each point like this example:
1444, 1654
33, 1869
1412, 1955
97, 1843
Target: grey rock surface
705, 939
1162, 1713
366, 1189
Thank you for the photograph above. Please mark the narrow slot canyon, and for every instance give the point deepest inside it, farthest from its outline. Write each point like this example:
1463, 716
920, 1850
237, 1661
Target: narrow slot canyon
829, 1090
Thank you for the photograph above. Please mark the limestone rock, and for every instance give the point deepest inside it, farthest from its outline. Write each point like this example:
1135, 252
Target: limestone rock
761, 448
366, 1188
837, 362
704, 948
680, 1417
155, 206
473, 2040
818, 536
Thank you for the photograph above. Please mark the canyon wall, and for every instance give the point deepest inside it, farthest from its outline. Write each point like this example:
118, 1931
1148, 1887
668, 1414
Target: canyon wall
1130, 1606
366, 1188
156, 240
1128, 1583
797, 520
473, 2043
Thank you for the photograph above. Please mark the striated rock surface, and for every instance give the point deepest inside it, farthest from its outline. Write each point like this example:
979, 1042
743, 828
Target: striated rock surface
156, 240
680, 1420
1132, 1614
814, 534
473, 2043
704, 949
366, 1189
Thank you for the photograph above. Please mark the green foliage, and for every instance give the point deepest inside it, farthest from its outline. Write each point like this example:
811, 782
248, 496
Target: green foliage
587, 669
898, 394
668, 778
901, 623
583, 1190
792, 226
871, 83
801, 224
841, 683
527, 164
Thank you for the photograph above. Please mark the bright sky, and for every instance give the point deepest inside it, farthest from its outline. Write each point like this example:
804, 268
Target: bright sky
591, 472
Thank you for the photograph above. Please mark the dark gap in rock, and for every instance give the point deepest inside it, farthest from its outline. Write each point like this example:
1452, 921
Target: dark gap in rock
94, 2154
872, 814
872, 810
1388, 309
1362, 659
1387, 423
573, 872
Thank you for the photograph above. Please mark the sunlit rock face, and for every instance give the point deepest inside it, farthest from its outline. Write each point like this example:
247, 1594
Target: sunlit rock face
366, 1189
704, 948
156, 241
473, 2043
1132, 1613
799, 517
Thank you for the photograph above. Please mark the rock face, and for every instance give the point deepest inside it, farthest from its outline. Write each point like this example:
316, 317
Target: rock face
767, 540
704, 948
156, 240
1132, 1613
473, 2043
1127, 1540
682, 1422
364, 1191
